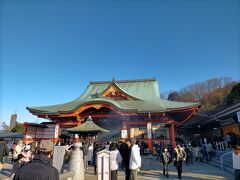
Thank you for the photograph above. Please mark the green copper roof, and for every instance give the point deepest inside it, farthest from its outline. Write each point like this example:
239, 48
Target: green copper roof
140, 89
87, 127
145, 91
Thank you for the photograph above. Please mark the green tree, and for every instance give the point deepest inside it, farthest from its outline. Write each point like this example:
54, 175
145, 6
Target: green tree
213, 94
234, 96
18, 128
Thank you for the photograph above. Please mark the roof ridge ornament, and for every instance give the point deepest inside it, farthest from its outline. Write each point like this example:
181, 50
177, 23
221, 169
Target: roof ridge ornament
89, 118
123, 81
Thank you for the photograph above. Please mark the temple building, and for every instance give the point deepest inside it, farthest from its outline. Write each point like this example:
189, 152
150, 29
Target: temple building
127, 108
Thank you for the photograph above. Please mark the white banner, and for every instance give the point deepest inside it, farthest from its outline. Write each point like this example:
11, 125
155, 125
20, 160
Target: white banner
124, 133
56, 131
149, 130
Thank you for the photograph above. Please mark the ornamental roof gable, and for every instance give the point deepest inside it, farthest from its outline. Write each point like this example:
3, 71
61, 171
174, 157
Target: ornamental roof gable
115, 92
144, 89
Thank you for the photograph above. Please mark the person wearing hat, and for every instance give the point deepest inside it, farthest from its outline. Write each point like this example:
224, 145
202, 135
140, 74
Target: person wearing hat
41, 167
236, 161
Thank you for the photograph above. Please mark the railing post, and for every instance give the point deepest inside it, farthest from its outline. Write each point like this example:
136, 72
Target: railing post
76, 162
221, 158
221, 162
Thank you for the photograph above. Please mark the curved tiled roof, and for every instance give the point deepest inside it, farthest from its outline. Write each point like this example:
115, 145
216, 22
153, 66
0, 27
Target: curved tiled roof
145, 91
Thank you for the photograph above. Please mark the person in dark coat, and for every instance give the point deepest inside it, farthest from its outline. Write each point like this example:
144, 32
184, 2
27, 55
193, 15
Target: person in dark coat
159, 149
165, 160
97, 148
3, 152
126, 151
41, 167
19, 163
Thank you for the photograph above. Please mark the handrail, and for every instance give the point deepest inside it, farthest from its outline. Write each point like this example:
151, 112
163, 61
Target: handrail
67, 175
221, 157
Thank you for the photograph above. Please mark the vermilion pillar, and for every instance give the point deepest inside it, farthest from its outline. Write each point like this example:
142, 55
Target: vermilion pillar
149, 132
172, 135
25, 133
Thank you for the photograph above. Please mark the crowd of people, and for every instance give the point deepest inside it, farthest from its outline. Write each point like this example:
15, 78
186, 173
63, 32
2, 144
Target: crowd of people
203, 152
231, 140
181, 153
30, 162
35, 159
187, 153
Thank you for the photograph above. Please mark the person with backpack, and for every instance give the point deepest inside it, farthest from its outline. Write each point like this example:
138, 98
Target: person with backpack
165, 161
179, 157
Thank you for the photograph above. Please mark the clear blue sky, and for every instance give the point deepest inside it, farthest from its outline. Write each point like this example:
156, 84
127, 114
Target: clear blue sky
50, 50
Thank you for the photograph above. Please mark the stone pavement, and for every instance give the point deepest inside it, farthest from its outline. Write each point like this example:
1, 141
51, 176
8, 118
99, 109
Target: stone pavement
151, 170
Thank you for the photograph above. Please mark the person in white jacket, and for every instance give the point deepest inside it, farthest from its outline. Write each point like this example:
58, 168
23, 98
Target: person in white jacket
236, 161
135, 161
115, 160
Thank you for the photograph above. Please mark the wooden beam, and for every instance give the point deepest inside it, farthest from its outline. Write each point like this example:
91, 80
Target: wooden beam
149, 121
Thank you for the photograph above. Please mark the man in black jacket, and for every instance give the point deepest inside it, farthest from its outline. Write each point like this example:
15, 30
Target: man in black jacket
126, 151
41, 167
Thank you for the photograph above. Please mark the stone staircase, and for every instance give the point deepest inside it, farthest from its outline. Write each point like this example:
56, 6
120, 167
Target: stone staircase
227, 161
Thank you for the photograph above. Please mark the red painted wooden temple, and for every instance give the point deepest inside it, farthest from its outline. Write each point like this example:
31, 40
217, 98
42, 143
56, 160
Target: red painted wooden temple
127, 108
